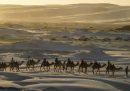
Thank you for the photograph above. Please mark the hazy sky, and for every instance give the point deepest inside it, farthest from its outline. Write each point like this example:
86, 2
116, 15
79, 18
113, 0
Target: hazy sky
43, 2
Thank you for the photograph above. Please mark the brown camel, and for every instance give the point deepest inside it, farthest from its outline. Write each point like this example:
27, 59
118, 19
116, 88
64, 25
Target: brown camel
14, 65
3, 66
57, 65
97, 66
84, 66
112, 68
70, 64
17, 65
31, 64
46, 65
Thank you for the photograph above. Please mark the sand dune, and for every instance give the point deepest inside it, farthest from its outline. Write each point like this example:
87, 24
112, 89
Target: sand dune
65, 13
58, 82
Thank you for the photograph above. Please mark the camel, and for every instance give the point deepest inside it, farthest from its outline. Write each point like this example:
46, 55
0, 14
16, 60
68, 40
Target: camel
97, 66
15, 65
84, 65
112, 68
3, 66
70, 64
46, 65
57, 65
31, 64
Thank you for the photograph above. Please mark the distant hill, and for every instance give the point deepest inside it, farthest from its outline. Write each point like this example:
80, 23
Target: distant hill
124, 28
102, 13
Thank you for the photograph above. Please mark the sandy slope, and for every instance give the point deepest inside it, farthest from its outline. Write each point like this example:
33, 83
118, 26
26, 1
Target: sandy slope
42, 81
68, 13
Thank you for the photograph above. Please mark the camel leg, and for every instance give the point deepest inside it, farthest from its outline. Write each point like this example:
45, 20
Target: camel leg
41, 68
93, 71
106, 72
86, 70
33, 67
96, 72
10, 68
27, 68
44, 68
54, 68
99, 71
5, 69
79, 70
59, 69
113, 73
48, 68
17, 69
73, 70
66, 68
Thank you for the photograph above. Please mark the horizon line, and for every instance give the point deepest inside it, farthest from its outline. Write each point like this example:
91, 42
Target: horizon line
57, 4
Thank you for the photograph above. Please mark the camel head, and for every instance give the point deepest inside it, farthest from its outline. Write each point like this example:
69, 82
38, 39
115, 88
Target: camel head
120, 68
37, 61
21, 62
52, 63
77, 64
103, 65
90, 64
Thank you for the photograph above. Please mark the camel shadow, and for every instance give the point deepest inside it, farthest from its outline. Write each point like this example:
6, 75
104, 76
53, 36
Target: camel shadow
14, 76
72, 88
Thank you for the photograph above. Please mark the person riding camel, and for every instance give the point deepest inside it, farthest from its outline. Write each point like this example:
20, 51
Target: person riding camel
69, 61
109, 63
82, 61
44, 60
12, 60
126, 71
96, 63
56, 60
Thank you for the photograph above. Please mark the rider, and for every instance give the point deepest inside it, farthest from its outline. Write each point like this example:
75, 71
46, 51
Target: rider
126, 70
96, 63
69, 61
109, 63
12, 60
44, 60
82, 61
56, 60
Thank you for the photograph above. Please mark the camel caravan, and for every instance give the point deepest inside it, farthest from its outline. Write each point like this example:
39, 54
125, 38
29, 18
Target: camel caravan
60, 66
